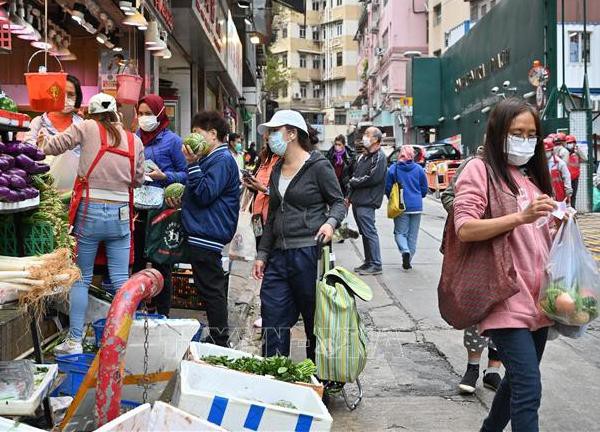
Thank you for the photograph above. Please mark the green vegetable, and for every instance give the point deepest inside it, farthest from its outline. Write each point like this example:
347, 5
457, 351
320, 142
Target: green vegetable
174, 190
281, 368
197, 143
7, 103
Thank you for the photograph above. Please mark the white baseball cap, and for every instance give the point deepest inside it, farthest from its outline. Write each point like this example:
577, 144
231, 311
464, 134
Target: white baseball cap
282, 118
101, 103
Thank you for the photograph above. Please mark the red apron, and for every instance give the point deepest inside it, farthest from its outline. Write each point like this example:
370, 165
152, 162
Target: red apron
558, 184
82, 184
574, 167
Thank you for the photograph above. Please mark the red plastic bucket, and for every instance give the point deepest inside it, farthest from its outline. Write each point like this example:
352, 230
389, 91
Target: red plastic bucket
46, 89
129, 88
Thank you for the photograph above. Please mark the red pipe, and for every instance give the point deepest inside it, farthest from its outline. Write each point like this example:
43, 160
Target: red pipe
143, 285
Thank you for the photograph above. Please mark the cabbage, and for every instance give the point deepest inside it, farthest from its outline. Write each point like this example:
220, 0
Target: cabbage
197, 143
174, 190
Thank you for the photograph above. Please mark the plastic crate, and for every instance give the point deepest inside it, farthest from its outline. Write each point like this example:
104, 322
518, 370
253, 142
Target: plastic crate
185, 295
38, 239
98, 325
8, 236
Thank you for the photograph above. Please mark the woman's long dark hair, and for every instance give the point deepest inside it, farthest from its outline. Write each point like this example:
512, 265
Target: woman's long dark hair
495, 149
307, 141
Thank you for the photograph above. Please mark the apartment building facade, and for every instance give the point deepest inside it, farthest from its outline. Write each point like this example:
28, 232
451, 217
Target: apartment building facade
321, 55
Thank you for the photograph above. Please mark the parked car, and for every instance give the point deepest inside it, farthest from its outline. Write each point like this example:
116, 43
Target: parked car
428, 153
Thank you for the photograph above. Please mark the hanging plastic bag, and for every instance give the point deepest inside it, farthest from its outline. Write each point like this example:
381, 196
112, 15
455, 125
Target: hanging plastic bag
572, 287
64, 170
243, 244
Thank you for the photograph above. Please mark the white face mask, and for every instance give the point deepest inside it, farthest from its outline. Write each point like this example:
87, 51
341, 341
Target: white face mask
148, 123
366, 142
69, 106
520, 150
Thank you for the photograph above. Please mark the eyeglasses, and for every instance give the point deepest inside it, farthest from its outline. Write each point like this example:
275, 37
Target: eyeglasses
523, 138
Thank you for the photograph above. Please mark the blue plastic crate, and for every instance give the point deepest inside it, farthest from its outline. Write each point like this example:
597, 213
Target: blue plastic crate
75, 367
98, 325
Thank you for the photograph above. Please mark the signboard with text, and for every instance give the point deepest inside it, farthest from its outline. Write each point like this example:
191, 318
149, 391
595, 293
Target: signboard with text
212, 17
235, 55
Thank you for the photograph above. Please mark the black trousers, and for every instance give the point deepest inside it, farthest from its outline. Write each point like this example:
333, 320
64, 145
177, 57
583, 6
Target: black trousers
162, 302
213, 287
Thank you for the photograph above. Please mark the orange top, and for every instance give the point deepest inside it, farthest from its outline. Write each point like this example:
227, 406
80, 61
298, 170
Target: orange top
60, 121
261, 202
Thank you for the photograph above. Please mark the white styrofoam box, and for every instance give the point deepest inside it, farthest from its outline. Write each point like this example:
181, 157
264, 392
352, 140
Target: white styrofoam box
7, 425
28, 407
168, 341
199, 350
160, 417
239, 401
97, 309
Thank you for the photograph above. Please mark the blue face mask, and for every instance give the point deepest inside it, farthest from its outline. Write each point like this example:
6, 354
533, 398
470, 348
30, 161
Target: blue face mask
238, 147
277, 144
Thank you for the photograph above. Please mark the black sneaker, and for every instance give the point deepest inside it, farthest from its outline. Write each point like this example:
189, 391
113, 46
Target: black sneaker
492, 380
361, 267
468, 384
406, 261
371, 271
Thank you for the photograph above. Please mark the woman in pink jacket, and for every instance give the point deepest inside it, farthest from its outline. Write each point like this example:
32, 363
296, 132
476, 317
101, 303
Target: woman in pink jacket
514, 155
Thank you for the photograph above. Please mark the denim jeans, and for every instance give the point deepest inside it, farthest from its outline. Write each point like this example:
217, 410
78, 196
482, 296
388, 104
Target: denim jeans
520, 393
406, 232
365, 220
288, 291
101, 224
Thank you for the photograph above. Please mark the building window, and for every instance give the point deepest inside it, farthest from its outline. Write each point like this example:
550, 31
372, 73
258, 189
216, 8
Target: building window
579, 45
316, 62
302, 32
483, 10
284, 32
315, 33
339, 86
437, 53
339, 58
340, 119
339, 2
474, 12
303, 90
284, 59
284, 92
339, 28
315, 5
437, 14
316, 91
275, 35
303, 60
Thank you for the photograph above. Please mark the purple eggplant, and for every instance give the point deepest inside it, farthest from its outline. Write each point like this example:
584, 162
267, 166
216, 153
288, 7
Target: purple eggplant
8, 160
4, 181
17, 182
29, 150
2, 147
4, 193
39, 168
30, 192
4, 165
12, 196
13, 148
24, 161
18, 172
38, 156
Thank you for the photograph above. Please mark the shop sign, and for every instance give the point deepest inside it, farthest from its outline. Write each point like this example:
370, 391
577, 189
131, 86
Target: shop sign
354, 116
235, 55
484, 70
405, 106
211, 16
164, 10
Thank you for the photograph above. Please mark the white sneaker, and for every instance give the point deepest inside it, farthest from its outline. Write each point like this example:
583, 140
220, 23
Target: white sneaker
258, 323
69, 346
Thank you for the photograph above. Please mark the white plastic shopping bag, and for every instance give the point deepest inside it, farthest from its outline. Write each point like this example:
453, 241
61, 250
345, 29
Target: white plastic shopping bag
243, 244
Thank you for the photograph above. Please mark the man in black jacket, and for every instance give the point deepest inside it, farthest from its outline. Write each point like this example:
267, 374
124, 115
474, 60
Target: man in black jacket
366, 189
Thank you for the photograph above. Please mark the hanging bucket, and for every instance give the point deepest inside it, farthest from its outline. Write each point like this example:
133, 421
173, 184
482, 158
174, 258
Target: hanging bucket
46, 89
129, 88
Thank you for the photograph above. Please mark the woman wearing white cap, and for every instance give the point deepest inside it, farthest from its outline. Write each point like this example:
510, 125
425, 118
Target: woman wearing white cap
111, 165
305, 203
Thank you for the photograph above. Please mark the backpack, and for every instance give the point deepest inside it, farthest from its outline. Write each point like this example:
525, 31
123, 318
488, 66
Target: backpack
341, 348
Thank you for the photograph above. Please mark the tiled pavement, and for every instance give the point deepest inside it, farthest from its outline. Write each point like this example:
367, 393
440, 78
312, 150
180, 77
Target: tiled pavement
590, 227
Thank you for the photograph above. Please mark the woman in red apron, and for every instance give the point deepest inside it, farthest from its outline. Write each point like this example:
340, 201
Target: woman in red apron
559, 172
111, 165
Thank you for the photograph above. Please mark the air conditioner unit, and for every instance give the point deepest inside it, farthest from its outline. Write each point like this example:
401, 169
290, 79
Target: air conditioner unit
317, 86
296, 95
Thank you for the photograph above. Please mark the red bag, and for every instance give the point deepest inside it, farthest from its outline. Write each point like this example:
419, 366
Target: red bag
476, 276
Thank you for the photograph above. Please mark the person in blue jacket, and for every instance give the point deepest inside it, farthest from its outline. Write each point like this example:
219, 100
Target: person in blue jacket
209, 213
164, 148
413, 180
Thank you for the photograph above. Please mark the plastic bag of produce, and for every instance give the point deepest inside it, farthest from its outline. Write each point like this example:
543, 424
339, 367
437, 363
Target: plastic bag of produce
243, 244
572, 287
16, 379
64, 170
166, 240
148, 197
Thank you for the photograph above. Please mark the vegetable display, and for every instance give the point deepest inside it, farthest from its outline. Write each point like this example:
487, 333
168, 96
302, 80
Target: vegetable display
18, 163
281, 368
574, 307
51, 210
174, 190
197, 143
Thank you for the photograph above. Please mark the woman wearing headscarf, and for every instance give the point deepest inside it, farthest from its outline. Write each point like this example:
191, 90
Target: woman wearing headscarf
413, 181
342, 159
164, 148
